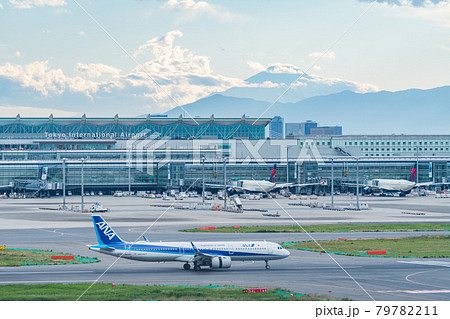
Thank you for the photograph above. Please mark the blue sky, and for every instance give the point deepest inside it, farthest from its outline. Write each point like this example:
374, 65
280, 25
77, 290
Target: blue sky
55, 58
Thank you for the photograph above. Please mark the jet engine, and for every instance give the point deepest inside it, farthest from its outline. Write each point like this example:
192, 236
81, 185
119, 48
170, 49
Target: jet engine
366, 190
220, 262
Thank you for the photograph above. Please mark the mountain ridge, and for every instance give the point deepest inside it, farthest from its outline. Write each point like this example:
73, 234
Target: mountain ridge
410, 111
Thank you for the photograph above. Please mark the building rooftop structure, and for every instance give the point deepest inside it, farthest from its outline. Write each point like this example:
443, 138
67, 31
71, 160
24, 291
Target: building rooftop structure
116, 128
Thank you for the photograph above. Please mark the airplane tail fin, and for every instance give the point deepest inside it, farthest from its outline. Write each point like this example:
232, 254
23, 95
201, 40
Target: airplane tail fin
274, 173
105, 234
412, 176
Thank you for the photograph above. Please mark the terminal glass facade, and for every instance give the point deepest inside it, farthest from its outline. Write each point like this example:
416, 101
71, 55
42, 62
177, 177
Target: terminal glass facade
116, 173
61, 129
29, 146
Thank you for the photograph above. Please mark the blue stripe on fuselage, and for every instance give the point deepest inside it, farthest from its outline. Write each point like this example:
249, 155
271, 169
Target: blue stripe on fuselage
182, 250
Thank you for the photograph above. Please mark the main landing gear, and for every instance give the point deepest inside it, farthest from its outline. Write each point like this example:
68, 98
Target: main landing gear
187, 266
267, 264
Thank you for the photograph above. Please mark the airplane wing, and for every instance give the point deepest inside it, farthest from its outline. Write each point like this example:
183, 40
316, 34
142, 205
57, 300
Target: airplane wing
219, 186
214, 185
427, 184
307, 184
284, 185
301, 185
360, 185
199, 255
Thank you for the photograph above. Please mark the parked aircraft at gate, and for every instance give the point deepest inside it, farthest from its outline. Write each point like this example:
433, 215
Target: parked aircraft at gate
260, 186
401, 186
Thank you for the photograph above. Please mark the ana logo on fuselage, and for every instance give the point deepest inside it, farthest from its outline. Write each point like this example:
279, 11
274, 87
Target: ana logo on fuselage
248, 245
106, 230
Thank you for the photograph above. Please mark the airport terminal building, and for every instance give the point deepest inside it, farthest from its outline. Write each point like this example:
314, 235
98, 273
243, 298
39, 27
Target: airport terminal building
156, 153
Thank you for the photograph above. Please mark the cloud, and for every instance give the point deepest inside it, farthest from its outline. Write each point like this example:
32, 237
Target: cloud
439, 12
160, 46
180, 74
256, 66
28, 4
191, 5
357, 87
44, 80
284, 68
183, 75
273, 80
328, 55
97, 70
190, 9
26, 111
281, 68
17, 54
408, 3
433, 10
446, 48
264, 85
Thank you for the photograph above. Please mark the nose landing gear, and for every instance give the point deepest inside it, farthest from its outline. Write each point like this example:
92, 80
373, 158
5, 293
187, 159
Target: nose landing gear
267, 264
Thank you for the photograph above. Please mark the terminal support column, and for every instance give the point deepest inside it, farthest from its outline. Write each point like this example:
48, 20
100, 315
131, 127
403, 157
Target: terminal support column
357, 183
82, 184
64, 182
203, 179
225, 183
332, 183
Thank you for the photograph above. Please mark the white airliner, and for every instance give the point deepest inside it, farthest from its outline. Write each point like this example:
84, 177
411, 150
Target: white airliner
391, 185
401, 186
261, 186
212, 254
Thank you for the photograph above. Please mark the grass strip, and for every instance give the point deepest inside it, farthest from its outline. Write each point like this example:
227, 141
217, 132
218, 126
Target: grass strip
329, 228
30, 257
408, 247
125, 292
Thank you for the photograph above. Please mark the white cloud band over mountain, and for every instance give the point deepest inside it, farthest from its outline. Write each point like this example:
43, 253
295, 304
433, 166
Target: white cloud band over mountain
26, 111
180, 74
271, 81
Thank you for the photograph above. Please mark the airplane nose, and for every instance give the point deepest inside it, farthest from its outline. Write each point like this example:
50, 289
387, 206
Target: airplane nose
286, 252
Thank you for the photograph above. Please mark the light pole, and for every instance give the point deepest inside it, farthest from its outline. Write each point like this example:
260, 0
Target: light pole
225, 183
129, 180
82, 184
203, 179
357, 183
332, 182
64, 182
417, 166
287, 164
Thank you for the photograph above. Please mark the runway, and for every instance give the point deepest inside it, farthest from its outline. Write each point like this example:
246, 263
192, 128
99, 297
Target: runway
356, 278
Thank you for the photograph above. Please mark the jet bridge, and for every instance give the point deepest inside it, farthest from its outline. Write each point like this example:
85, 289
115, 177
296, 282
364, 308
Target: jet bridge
37, 186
